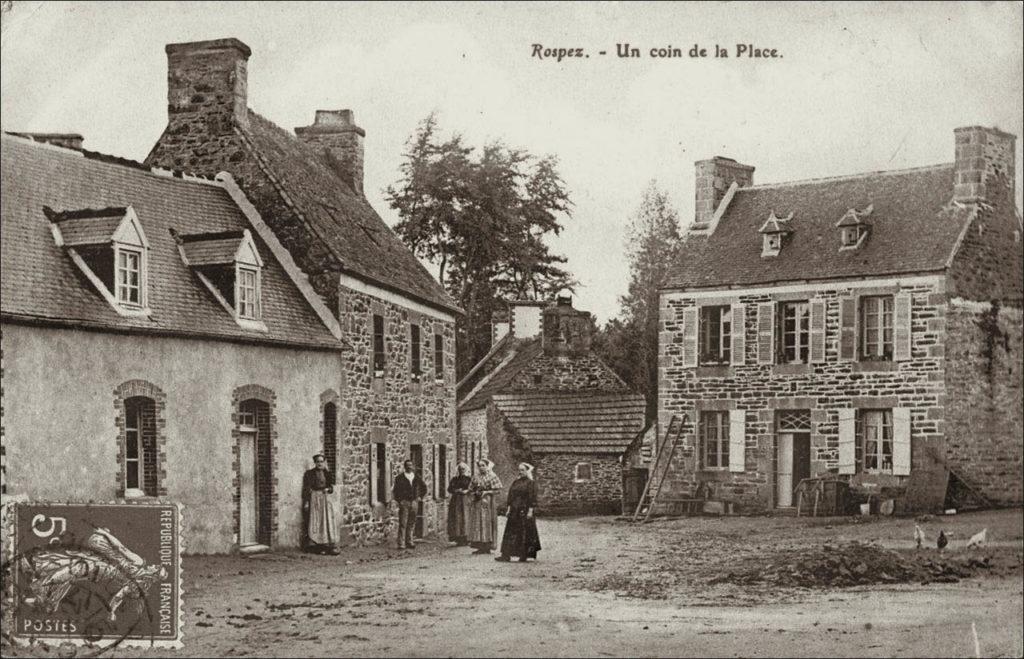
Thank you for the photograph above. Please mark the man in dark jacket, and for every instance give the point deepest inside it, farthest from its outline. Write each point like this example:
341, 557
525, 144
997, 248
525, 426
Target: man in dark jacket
408, 489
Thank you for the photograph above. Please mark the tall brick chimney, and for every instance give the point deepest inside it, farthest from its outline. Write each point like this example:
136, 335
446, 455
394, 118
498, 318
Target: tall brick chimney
336, 133
713, 179
984, 164
207, 86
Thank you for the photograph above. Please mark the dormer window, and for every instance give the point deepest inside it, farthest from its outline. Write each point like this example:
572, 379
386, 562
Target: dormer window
110, 248
853, 230
229, 265
773, 231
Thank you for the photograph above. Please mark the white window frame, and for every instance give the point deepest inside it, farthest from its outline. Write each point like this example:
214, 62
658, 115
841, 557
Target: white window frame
721, 442
576, 478
873, 317
242, 306
122, 291
724, 347
872, 424
800, 332
133, 427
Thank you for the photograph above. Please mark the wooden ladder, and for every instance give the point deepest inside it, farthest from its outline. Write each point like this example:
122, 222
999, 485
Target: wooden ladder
662, 461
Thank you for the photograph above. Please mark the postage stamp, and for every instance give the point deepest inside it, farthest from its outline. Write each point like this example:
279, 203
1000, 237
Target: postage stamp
104, 574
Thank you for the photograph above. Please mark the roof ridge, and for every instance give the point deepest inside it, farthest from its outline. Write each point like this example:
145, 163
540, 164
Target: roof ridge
847, 177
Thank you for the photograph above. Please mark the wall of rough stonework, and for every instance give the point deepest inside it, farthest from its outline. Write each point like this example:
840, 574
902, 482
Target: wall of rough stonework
567, 374
193, 383
393, 407
559, 494
822, 388
335, 135
984, 371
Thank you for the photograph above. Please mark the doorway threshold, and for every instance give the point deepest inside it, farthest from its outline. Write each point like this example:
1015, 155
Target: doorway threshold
253, 549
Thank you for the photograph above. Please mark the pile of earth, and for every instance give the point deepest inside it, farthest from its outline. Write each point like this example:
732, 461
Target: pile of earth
856, 564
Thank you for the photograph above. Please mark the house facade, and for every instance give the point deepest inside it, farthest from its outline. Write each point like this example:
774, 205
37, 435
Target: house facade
542, 396
865, 325
398, 376
158, 343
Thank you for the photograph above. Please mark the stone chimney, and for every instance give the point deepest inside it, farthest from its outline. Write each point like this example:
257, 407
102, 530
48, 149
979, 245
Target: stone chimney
66, 140
566, 330
207, 86
525, 318
985, 167
335, 133
713, 179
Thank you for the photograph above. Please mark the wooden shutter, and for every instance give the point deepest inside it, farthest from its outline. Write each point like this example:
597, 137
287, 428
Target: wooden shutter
847, 441
848, 329
817, 331
901, 327
373, 472
690, 337
739, 334
737, 440
389, 477
901, 441
765, 333
436, 473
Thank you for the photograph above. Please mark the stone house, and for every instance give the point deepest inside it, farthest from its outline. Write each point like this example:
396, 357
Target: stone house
868, 325
398, 397
158, 342
542, 396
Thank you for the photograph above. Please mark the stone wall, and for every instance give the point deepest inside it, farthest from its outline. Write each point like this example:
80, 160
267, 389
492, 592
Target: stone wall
559, 494
984, 428
394, 407
822, 388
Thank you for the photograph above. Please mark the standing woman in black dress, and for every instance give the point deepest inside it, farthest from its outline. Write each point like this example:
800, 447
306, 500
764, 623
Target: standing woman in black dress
521, 538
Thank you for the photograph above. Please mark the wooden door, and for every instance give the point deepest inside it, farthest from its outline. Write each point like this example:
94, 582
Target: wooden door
416, 455
247, 502
784, 470
801, 457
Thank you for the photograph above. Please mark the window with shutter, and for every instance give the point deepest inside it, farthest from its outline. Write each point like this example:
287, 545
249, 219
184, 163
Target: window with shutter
875, 440
848, 329
794, 332
714, 433
715, 335
817, 331
876, 327
765, 327
901, 441
739, 334
902, 338
847, 441
690, 337
737, 440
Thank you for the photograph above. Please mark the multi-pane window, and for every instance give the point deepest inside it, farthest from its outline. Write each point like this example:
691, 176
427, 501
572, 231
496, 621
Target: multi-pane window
248, 294
874, 440
715, 335
140, 460
133, 447
714, 434
438, 357
129, 276
794, 332
876, 327
415, 353
378, 344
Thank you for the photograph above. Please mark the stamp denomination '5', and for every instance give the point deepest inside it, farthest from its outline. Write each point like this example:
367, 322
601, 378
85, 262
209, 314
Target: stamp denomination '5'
99, 573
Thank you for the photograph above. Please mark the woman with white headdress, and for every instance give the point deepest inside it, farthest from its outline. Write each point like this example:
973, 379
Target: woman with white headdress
521, 538
459, 505
482, 526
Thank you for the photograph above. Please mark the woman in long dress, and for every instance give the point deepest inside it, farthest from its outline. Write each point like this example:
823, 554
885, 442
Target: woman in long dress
459, 505
521, 538
317, 509
483, 518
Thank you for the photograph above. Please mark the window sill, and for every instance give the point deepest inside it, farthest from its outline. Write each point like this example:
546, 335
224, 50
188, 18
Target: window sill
791, 369
714, 371
874, 366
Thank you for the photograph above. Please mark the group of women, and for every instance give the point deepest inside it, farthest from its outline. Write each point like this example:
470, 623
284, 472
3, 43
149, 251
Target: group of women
473, 516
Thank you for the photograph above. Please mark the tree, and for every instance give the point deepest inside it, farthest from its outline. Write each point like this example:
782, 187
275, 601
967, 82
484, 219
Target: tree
482, 220
629, 343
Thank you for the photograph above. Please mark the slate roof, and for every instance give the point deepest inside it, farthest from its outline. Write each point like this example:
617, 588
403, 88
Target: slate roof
212, 250
41, 284
574, 422
86, 229
341, 218
909, 232
522, 352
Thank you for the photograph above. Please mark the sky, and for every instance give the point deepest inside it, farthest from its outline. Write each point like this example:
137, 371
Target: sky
855, 87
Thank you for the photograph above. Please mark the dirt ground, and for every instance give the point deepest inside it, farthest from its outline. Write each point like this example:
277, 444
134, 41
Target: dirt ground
604, 587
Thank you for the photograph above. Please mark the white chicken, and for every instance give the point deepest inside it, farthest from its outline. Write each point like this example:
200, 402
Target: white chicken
978, 539
919, 537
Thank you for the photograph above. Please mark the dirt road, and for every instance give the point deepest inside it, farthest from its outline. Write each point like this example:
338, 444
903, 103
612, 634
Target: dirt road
438, 601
